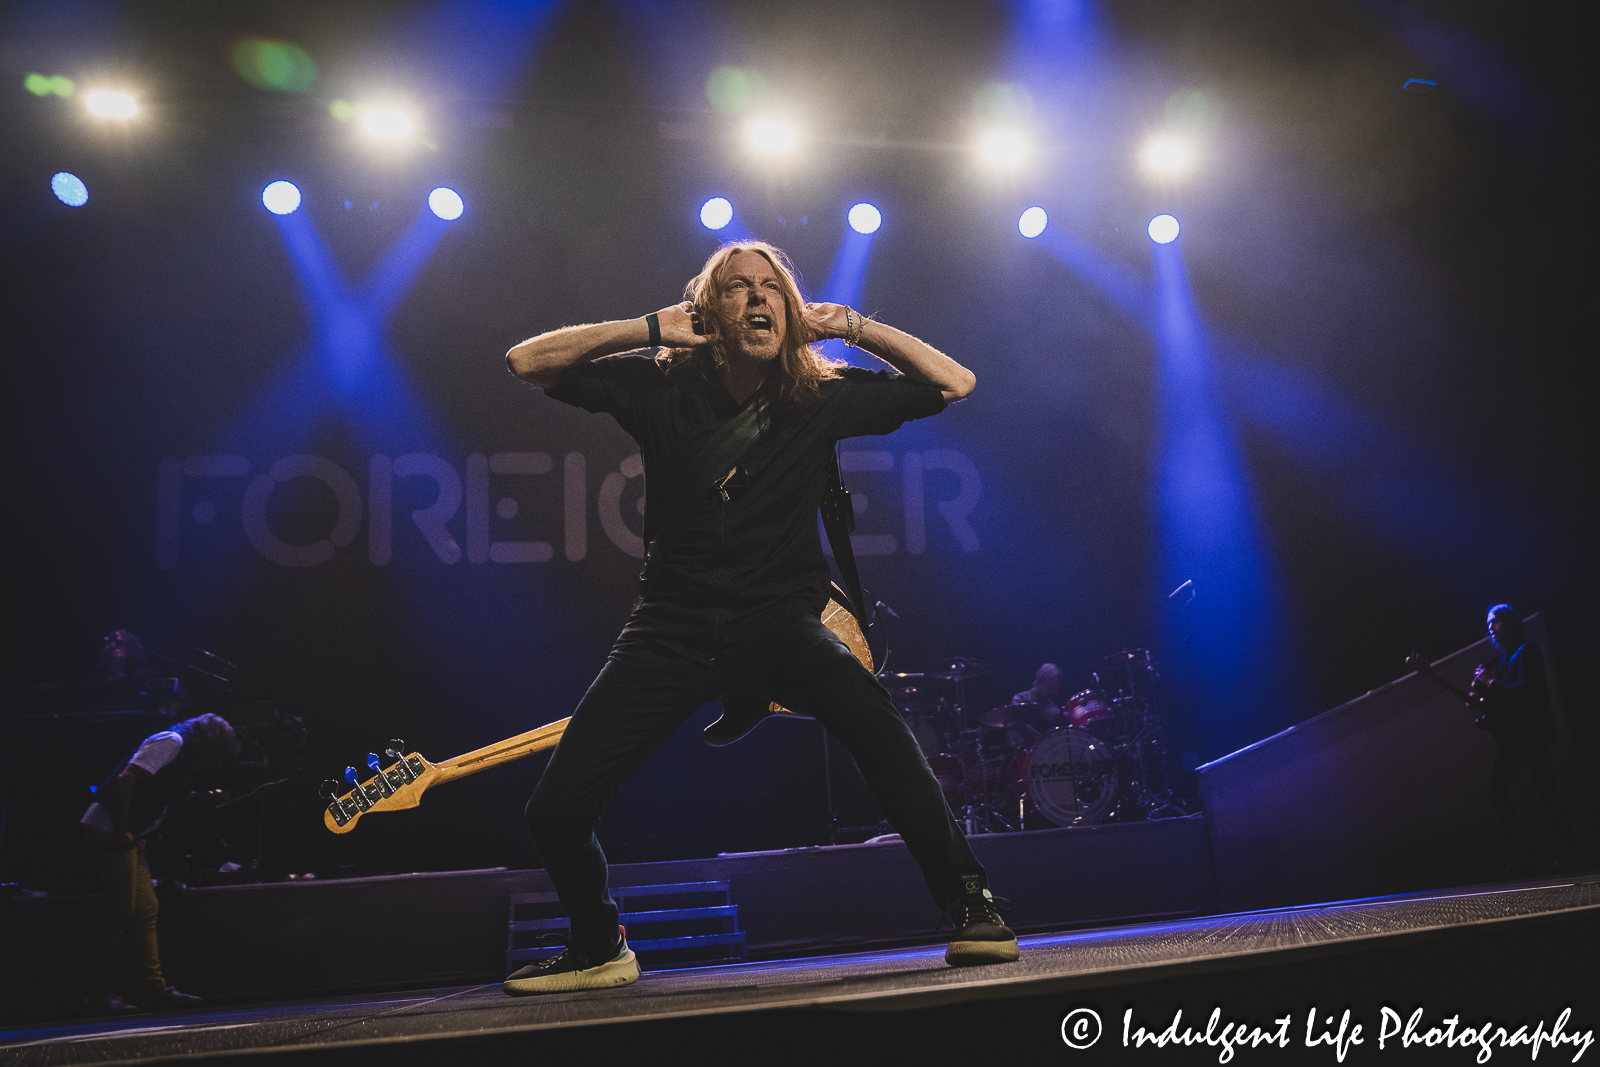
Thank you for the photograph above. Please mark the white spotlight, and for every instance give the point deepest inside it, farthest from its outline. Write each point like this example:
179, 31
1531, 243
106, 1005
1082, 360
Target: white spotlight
1163, 229
108, 104
446, 203
716, 213
1165, 157
864, 218
771, 137
1032, 222
1004, 149
387, 123
281, 198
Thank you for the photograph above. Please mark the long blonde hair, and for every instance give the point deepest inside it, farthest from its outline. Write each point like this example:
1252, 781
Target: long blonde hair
801, 368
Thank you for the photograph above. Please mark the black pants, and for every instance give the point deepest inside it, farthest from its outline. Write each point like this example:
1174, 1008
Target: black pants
1532, 752
668, 662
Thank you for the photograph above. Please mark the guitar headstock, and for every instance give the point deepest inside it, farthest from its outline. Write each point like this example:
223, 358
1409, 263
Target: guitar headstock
389, 789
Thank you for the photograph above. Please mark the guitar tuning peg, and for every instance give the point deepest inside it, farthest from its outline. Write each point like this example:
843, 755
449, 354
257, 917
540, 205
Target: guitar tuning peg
329, 788
350, 775
396, 747
372, 760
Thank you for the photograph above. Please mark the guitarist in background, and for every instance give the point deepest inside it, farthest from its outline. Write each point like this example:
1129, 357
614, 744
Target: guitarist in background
735, 580
1515, 698
129, 809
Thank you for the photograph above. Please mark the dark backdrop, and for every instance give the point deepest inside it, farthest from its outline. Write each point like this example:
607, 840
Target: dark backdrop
1394, 286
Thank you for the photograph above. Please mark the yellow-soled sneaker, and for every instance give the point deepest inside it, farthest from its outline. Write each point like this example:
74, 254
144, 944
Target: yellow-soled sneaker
981, 935
574, 970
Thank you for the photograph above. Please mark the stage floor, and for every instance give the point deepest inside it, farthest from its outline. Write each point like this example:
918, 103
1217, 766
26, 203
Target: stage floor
1438, 935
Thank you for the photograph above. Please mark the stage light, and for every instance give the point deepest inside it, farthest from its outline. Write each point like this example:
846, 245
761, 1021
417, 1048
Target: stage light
446, 203
716, 213
273, 64
1163, 229
47, 85
864, 218
1166, 157
109, 104
1004, 103
69, 189
1004, 149
1032, 222
771, 137
734, 91
387, 123
281, 198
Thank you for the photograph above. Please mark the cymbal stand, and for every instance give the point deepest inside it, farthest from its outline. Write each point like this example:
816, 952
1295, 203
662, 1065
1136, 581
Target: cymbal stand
981, 814
1155, 799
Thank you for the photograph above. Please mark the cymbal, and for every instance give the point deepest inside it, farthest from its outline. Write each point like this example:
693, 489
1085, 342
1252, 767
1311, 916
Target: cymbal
1000, 718
950, 670
1014, 715
959, 668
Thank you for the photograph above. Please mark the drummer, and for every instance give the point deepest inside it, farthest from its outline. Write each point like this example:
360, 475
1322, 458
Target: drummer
1046, 686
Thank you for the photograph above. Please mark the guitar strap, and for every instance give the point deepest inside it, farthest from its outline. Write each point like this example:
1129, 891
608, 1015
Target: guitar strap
728, 445
715, 464
839, 521
712, 468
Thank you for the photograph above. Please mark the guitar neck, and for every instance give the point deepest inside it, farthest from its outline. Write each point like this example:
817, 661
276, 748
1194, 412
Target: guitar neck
512, 748
1428, 672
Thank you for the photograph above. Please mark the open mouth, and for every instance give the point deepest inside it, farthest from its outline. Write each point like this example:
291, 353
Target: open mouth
758, 322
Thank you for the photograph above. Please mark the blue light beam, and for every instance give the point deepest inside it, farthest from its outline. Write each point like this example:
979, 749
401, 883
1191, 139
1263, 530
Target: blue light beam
1230, 645
349, 322
846, 280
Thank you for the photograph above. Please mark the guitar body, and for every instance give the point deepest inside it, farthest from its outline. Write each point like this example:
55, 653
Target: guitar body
743, 712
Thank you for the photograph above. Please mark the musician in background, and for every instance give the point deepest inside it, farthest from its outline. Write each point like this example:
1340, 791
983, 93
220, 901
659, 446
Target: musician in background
129, 808
122, 655
1046, 687
1516, 702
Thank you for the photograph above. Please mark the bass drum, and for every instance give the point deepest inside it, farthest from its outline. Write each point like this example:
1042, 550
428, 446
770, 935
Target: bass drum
1071, 777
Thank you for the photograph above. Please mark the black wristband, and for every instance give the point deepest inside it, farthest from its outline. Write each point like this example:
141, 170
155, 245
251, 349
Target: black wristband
654, 322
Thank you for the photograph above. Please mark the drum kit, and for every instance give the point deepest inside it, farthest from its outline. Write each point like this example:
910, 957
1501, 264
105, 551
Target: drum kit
1033, 765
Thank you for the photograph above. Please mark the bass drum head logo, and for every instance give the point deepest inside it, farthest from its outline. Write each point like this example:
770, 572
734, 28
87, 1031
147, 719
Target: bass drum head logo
1072, 777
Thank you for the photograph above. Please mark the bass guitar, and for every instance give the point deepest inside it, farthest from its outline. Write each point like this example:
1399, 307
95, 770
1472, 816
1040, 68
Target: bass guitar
1474, 697
402, 784
743, 712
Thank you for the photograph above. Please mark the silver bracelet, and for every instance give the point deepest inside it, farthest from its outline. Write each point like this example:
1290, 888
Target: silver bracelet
853, 328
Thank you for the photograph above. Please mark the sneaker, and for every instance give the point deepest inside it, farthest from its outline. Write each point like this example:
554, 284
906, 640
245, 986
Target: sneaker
574, 970
167, 1000
981, 935
108, 1004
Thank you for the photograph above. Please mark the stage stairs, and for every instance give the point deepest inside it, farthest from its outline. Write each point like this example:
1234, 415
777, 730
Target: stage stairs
675, 925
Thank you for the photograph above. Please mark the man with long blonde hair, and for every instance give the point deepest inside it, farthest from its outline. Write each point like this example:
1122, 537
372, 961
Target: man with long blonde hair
735, 579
